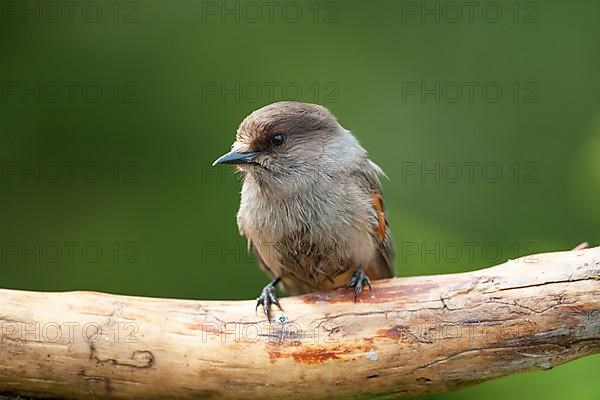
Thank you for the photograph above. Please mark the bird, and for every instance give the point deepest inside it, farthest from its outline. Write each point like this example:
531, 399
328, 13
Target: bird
311, 206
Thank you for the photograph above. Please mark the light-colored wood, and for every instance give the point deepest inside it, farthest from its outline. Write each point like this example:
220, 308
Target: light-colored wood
406, 337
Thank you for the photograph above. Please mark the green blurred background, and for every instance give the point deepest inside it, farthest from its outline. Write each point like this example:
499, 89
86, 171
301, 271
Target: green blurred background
111, 113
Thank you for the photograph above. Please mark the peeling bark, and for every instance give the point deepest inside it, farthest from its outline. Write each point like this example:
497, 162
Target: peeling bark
408, 336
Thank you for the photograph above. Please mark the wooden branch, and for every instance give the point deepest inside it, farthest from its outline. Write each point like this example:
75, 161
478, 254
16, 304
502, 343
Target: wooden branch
407, 337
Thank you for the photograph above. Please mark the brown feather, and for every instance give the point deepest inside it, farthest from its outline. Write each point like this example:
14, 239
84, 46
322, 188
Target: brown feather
378, 205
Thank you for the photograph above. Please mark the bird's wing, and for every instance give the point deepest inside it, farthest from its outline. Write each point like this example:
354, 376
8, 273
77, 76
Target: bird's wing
383, 264
384, 261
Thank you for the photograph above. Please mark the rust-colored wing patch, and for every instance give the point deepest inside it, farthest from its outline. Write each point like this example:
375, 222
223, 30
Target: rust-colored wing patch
377, 201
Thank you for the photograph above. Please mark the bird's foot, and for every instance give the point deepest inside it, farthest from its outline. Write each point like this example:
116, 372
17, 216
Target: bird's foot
268, 297
358, 281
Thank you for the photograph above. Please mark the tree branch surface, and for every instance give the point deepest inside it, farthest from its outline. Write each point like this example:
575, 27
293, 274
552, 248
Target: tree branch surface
407, 337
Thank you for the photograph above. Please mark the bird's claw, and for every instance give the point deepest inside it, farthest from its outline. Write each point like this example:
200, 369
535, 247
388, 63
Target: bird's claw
358, 281
267, 298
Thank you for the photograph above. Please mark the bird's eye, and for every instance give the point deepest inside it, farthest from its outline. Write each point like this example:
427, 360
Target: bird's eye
278, 140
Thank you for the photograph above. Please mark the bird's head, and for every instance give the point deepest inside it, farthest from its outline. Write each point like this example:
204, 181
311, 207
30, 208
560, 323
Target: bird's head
291, 140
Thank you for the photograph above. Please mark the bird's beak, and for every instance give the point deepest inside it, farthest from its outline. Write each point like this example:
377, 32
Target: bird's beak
234, 157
